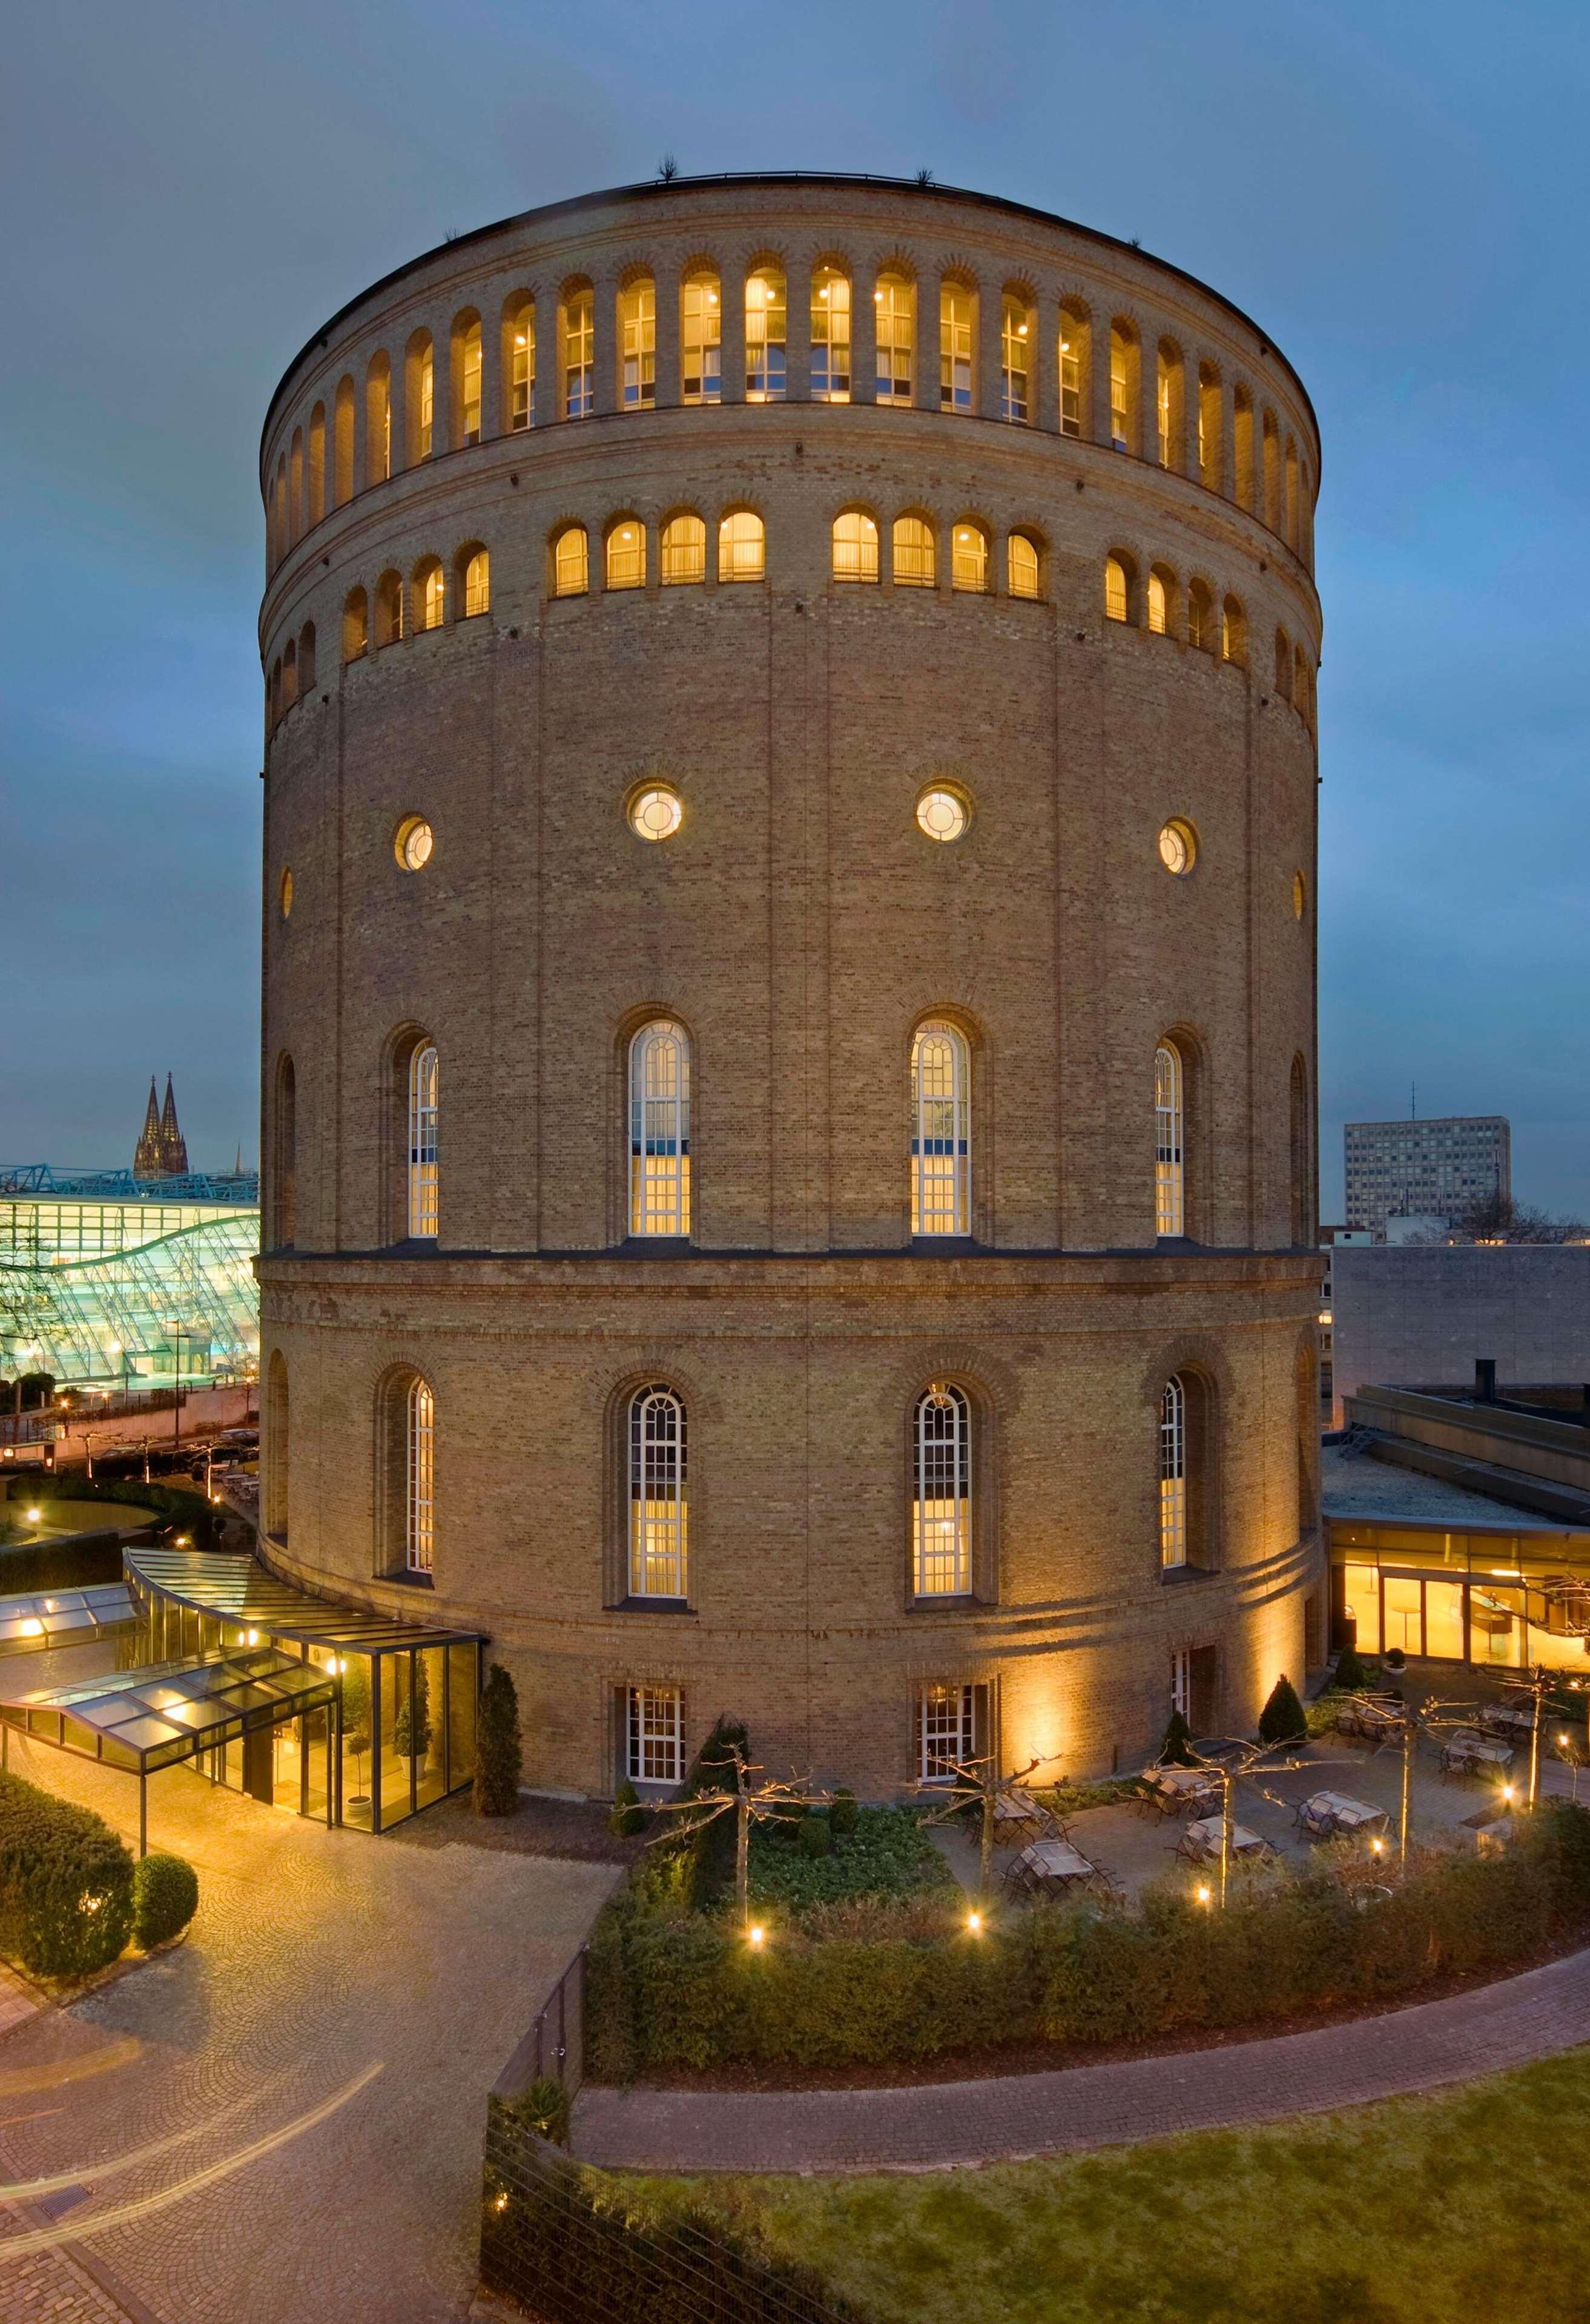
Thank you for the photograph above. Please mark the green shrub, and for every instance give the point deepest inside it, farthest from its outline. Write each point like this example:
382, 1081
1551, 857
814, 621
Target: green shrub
888, 1854
66, 1884
843, 1814
1351, 1674
542, 2109
499, 1754
813, 1836
165, 1897
1174, 1750
628, 1815
1281, 1720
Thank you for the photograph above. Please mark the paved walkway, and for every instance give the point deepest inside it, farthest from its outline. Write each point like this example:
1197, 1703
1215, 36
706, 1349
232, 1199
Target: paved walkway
932, 2126
281, 2118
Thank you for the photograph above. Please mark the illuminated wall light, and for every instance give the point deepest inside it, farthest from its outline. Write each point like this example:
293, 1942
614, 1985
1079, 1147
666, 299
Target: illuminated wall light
755, 1932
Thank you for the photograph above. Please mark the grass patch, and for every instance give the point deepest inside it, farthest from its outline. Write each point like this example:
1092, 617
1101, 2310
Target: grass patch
888, 1854
1445, 2208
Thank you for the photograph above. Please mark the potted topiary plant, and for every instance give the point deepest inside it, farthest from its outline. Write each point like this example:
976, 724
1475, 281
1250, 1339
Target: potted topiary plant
499, 1753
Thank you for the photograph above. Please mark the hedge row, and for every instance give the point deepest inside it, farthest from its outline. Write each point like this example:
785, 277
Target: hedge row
670, 1990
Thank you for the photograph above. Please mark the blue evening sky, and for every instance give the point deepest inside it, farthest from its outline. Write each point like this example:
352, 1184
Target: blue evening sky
1397, 194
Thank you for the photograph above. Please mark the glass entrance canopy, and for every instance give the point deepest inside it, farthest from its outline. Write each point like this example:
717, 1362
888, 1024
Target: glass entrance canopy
65, 1618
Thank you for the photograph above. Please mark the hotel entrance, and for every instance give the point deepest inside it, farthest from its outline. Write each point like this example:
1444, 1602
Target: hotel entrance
1495, 1601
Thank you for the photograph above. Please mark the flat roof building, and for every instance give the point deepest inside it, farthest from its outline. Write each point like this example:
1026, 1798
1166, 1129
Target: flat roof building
1441, 1168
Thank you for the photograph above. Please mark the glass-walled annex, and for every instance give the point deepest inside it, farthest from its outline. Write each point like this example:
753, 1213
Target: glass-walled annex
410, 1692
1502, 1601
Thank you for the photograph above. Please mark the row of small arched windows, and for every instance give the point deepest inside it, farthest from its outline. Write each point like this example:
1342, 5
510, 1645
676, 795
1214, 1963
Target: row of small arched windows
548, 361
1166, 610
427, 598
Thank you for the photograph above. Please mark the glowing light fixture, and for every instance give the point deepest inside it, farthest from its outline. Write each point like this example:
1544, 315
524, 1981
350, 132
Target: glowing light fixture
34, 1515
655, 813
755, 1933
974, 1923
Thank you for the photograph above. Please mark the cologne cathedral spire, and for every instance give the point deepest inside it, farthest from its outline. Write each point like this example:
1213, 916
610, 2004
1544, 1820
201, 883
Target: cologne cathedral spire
173, 1144
161, 1150
146, 1161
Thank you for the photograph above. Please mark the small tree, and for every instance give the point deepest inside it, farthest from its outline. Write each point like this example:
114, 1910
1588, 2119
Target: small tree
499, 1753
412, 1731
1174, 1751
1281, 1720
1351, 1674
628, 1815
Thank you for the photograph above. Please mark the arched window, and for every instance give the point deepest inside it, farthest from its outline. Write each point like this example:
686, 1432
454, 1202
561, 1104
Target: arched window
430, 593
1169, 1180
741, 547
1200, 616
277, 1446
658, 1498
855, 547
894, 310
830, 336
659, 1130
1210, 447
306, 658
1302, 1225
477, 584
1173, 1528
1272, 472
1117, 589
279, 513
940, 1131
420, 1467
968, 562
295, 493
468, 375
355, 625
290, 675
1187, 1527
284, 1157
1073, 369
424, 1188
701, 337
389, 609
765, 329
1234, 631
1123, 387
1241, 422
1168, 403
1015, 332
519, 364
1162, 600
1300, 682
626, 554
420, 397
941, 1494
958, 313
637, 339
274, 693
1021, 566
570, 562
317, 471
684, 550
914, 563
1283, 665
1292, 493
579, 352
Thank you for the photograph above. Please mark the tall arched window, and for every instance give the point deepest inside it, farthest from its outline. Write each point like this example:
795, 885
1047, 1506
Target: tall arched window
423, 1189
1117, 590
658, 1498
1210, 448
570, 562
430, 593
626, 554
684, 550
855, 547
579, 352
1173, 1544
1169, 1129
317, 471
1073, 369
701, 337
284, 1158
765, 329
295, 495
1270, 440
1168, 401
1200, 616
830, 336
969, 560
389, 609
1242, 446
637, 333
958, 313
1292, 493
342, 443
277, 1446
941, 1132
741, 547
306, 658
477, 584
1234, 631
1299, 1144
419, 396
659, 1130
468, 375
914, 563
941, 1496
355, 625
419, 1466
894, 310
1021, 566
518, 364
1123, 388
1283, 665
1161, 589
289, 674
1015, 333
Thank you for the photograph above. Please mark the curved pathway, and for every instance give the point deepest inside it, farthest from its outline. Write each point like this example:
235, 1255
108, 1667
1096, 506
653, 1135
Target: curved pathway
931, 2125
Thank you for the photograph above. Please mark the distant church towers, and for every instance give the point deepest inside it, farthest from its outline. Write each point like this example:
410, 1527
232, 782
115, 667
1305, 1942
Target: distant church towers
162, 1151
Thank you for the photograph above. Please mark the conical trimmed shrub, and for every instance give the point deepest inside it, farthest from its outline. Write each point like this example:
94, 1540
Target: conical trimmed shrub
1281, 1720
499, 1754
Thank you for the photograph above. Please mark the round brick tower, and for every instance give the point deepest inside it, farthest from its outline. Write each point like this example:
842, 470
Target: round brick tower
788, 978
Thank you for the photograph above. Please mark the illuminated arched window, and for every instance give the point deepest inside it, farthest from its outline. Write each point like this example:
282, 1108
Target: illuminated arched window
658, 1498
855, 546
1117, 590
429, 594
1270, 438
1169, 1180
342, 442
1015, 333
894, 310
626, 554
477, 585
765, 329
468, 371
1234, 631
637, 333
1168, 404
830, 336
659, 1130
1123, 388
941, 1496
1173, 1529
1242, 446
957, 310
1021, 566
295, 495
968, 563
579, 354
420, 1529
1209, 444
518, 364
741, 547
684, 550
423, 1120
389, 609
420, 391
1074, 360
701, 337
1158, 609
378, 420
914, 563
941, 1132
1200, 616
570, 562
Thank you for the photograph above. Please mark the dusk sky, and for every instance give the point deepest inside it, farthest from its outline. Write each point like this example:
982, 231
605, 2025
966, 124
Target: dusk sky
1396, 194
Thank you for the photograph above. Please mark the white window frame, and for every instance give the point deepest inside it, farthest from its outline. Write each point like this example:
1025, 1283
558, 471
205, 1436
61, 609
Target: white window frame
471, 372
894, 308
956, 313
941, 1492
1182, 1680
521, 375
1169, 1141
638, 314
419, 1475
701, 339
424, 1188
940, 1130
654, 1734
766, 355
1016, 361
579, 355
1070, 379
1173, 1474
659, 1130
947, 1729
659, 1495
830, 336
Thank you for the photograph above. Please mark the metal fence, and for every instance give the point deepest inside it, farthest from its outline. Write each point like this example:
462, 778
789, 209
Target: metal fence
554, 2048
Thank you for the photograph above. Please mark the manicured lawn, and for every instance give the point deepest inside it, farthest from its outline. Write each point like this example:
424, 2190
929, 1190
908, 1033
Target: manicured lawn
1463, 2208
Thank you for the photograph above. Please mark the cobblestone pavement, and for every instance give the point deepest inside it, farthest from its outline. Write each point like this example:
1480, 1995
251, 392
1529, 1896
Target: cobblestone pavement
932, 2126
280, 2119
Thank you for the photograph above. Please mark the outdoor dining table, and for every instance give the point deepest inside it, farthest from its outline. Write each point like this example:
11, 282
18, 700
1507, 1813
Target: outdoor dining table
1471, 1753
1510, 1718
1201, 1840
1325, 1813
1017, 1813
1370, 1718
1179, 1788
1052, 1864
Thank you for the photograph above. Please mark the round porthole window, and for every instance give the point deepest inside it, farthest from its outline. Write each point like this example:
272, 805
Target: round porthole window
1178, 846
1300, 896
287, 893
655, 813
943, 812
413, 843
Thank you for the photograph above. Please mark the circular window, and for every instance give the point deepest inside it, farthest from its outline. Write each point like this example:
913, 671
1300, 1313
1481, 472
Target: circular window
943, 813
1300, 896
1178, 846
287, 894
413, 843
655, 813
